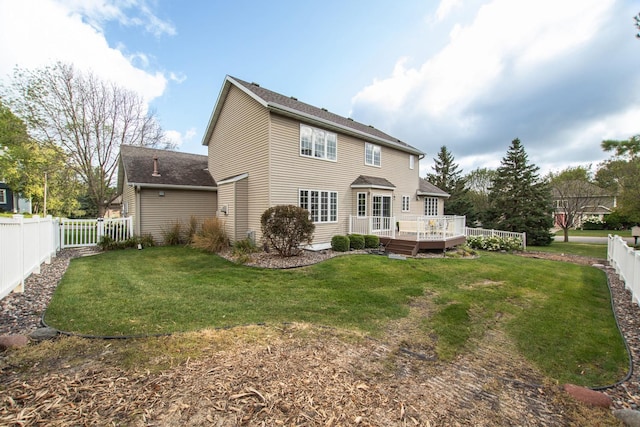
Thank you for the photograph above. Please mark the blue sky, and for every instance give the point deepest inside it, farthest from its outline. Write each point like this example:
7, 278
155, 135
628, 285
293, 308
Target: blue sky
469, 74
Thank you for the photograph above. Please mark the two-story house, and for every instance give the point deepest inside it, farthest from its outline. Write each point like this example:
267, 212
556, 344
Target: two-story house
267, 149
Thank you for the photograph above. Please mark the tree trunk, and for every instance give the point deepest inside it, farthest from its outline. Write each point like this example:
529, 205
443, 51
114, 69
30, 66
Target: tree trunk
566, 234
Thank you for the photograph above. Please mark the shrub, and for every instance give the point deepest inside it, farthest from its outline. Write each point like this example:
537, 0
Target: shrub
173, 234
340, 243
593, 224
285, 227
494, 243
192, 228
371, 241
107, 243
212, 236
356, 241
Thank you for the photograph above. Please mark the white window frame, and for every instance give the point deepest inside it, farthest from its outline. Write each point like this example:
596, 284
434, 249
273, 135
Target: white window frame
3, 196
361, 208
431, 206
406, 203
412, 161
372, 154
321, 204
318, 144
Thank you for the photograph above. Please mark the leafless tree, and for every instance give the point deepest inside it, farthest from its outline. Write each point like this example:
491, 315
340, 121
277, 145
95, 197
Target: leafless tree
88, 117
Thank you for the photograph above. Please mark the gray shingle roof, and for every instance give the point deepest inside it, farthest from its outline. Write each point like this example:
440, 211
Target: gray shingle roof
371, 181
428, 189
291, 106
174, 168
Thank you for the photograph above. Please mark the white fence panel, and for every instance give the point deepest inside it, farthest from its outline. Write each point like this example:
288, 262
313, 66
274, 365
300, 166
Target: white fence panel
25, 243
75, 233
626, 262
497, 233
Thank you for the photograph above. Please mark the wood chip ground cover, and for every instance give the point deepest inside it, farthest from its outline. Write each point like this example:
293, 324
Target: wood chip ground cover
291, 375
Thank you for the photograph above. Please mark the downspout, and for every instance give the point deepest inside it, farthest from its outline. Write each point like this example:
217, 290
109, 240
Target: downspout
138, 211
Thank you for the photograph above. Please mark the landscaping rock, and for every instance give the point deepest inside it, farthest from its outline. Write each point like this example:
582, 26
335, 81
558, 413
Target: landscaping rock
588, 396
12, 341
629, 417
42, 334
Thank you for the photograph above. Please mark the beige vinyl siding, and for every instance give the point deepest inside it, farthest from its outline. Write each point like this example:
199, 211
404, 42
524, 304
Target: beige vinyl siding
239, 144
291, 172
157, 212
129, 200
226, 198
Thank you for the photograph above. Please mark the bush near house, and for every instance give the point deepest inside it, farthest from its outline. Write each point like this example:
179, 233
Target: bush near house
356, 241
340, 243
106, 243
286, 227
371, 241
211, 237
593, 224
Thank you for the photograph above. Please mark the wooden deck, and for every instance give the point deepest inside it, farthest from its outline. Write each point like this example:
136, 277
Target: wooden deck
412, 247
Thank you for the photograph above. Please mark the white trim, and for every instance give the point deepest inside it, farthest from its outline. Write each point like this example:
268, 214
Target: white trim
234, 179
378, 187
172, 187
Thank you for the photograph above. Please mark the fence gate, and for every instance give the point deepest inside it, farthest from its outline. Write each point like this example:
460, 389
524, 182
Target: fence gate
75, 233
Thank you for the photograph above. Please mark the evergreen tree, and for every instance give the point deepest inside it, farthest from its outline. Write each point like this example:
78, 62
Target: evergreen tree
519, 200
448, 177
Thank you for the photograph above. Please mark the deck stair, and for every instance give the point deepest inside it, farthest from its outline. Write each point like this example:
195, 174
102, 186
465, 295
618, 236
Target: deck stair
402, 247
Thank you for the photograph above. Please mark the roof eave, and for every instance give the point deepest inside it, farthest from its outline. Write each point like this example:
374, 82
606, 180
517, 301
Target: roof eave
173, 186
427, 193
377, 187
344, 129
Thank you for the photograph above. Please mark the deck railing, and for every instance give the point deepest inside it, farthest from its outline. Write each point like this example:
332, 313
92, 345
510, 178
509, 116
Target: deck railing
626, 261
409, 227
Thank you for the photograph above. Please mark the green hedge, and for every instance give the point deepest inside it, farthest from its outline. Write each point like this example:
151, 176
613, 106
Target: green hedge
340, 243
356, 241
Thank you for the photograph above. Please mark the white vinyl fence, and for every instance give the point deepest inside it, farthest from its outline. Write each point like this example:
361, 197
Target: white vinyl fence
75, 233
25, 243
497, 233
626, 261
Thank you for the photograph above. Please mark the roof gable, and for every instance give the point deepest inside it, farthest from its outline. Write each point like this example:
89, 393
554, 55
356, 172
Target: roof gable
174, 168
290, 106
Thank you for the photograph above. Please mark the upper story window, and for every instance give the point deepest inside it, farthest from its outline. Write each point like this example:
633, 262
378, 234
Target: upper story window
371, 154
431, 206
412, 161
318, 143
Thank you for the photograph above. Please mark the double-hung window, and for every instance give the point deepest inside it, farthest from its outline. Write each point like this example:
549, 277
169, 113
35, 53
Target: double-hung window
431, 206
405, 203
318, 143
362, 204
372, 154
3, 196
322, 205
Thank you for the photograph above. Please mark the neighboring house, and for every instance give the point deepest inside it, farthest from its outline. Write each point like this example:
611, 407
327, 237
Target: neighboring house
160, 187
267, 149
580, 203
13, 202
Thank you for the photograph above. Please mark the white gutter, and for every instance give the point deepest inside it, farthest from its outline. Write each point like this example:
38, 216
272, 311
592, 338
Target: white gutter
173, 187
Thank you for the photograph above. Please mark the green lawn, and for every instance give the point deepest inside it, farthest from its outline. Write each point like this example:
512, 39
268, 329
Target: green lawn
558, 314
596, 233
592, 250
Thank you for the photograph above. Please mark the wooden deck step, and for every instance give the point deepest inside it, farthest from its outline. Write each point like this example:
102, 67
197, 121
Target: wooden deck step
402, 247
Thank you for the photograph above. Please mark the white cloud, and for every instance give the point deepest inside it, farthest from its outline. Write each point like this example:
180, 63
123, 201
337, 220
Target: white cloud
531, 69
177, 138
34, 34
445, 7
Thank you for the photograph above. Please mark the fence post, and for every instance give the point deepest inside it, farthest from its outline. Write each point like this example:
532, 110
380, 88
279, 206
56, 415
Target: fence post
20, 219
100, 229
